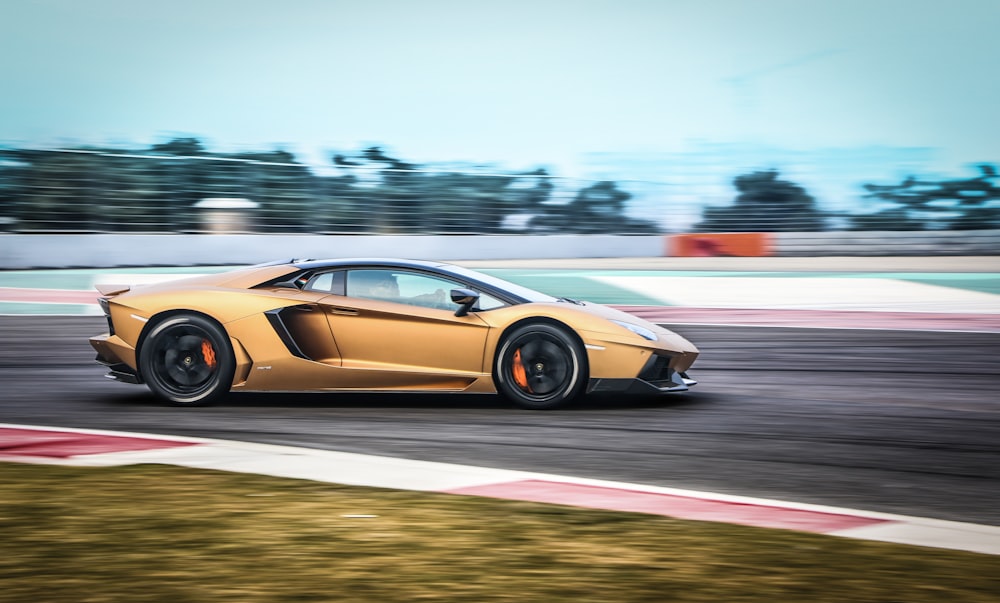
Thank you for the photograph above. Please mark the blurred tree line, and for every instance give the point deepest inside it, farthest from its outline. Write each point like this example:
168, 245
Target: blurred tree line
766, 203
958, 204
157, 190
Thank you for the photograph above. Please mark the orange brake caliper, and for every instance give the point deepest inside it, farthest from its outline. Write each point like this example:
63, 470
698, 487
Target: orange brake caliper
208, 353
520, 377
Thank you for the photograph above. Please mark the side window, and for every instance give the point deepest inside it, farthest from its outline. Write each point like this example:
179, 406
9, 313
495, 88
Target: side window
410, 288
426, 291
327, 282
488, 302
322, 282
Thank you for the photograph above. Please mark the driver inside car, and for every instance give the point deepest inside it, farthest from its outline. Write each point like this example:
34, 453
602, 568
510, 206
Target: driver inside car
374, 285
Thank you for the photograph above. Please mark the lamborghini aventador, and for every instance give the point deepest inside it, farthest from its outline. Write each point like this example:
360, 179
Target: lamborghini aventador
376, 326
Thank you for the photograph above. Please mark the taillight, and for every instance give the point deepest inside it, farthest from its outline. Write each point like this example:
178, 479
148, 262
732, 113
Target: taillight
106, 308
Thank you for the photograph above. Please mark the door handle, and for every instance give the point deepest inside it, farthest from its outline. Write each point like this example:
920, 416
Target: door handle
343, 311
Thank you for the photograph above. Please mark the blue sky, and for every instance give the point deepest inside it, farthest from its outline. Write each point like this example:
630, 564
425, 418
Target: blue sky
513, 83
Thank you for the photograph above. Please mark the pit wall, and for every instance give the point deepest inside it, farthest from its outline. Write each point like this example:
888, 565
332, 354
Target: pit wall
26, 251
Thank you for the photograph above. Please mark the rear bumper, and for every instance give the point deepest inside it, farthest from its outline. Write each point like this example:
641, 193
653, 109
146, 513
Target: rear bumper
676, 382
122, 372
112, 352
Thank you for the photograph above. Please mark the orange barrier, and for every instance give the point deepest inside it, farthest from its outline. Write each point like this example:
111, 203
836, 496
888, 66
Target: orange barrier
709, 244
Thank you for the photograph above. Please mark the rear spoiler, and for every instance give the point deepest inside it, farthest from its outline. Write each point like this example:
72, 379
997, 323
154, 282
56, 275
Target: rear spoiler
112, 289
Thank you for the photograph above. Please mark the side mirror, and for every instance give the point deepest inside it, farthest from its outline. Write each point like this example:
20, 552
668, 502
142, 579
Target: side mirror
465, 298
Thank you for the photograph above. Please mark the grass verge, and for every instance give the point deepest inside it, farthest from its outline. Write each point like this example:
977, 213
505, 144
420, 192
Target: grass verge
157, 533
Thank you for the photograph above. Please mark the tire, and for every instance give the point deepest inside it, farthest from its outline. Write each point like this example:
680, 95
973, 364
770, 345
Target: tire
187, 360
540, 366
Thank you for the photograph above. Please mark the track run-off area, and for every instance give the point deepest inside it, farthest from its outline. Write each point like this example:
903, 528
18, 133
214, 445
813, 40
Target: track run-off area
866, 384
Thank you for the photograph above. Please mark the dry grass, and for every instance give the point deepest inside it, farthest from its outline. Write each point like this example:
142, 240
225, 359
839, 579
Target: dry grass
156, 533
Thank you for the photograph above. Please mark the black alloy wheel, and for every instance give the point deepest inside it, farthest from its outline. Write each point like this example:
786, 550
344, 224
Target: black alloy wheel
540, 366
187, 360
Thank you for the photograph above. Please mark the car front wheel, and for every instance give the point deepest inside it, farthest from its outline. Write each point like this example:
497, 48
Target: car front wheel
540, 366
187, 360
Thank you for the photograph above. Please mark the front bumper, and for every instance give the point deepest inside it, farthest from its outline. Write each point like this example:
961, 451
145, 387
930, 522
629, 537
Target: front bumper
659, 375
676, 382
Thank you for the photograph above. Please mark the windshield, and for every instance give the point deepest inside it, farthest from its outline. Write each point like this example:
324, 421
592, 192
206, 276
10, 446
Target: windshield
528, 294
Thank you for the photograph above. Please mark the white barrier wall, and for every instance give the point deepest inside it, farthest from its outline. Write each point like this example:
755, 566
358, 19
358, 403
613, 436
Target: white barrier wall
934, 242
24, 251
21, 251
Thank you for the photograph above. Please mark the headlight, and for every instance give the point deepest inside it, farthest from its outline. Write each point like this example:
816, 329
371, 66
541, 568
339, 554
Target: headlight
640, 331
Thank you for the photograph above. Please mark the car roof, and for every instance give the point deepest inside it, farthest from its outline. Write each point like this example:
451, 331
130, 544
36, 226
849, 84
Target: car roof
508, 291
367, 262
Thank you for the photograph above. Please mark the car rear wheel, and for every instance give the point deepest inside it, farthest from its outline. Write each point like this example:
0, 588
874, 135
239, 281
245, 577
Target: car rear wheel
187, 360
540, 366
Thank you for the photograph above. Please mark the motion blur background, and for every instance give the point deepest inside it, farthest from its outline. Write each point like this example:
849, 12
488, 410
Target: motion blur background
447, 117
142, 140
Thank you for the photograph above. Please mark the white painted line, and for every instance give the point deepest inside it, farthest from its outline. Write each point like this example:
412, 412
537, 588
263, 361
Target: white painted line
138, 278
667, 325
957, 536
807, 293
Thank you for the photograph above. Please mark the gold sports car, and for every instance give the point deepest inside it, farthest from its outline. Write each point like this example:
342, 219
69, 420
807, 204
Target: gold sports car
379, 325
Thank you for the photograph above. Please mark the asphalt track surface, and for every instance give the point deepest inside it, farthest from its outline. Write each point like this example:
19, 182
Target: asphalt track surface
895, 421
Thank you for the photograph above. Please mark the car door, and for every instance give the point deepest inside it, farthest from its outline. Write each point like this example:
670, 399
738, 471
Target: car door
397, 329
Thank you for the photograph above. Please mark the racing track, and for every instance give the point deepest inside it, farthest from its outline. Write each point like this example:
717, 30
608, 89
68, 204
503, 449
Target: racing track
896, 421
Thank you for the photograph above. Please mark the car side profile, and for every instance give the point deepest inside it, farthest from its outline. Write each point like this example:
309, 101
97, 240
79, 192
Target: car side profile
379, 325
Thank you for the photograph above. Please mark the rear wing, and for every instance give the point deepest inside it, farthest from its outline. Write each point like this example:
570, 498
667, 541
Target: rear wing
112, 289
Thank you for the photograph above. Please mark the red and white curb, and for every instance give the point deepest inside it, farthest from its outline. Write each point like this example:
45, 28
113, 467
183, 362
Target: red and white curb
85, 447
